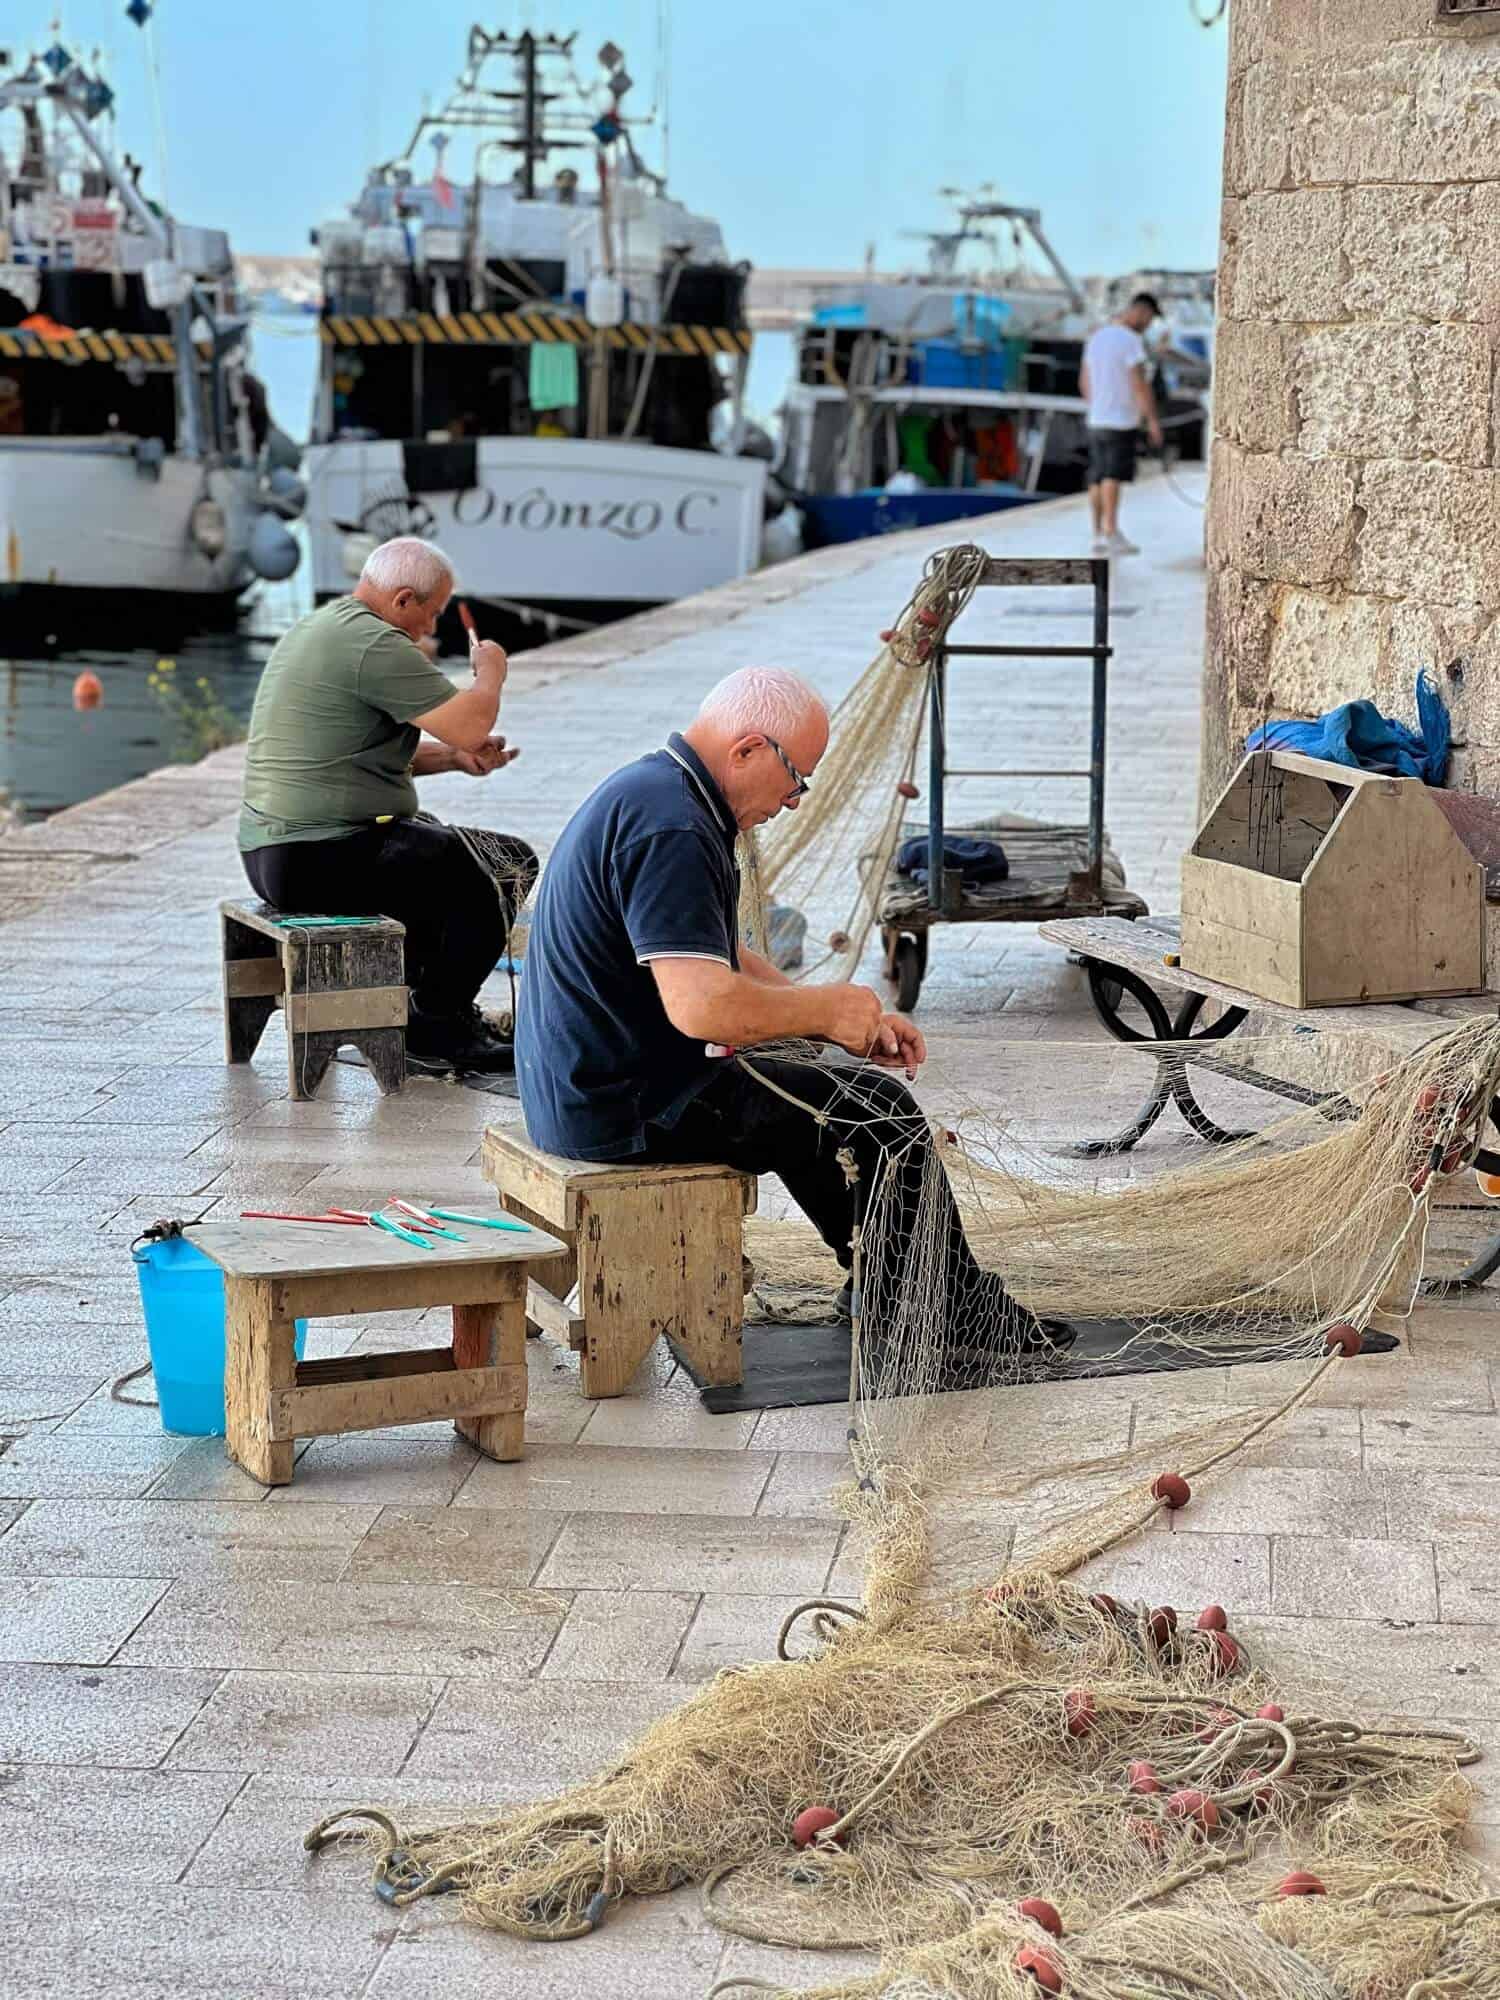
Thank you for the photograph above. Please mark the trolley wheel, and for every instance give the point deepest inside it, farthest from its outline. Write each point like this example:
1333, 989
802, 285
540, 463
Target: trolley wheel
907, 962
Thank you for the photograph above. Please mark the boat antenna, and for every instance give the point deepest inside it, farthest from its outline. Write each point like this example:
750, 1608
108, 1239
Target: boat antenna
663, 80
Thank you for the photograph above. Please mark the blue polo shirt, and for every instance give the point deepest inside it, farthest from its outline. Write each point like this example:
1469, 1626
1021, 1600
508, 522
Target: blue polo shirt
644, 869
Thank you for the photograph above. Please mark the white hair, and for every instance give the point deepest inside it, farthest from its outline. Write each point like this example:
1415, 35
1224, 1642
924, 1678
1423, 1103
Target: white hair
408, 563
767, 701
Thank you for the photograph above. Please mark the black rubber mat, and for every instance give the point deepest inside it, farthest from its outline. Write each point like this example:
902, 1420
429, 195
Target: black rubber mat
789, 1366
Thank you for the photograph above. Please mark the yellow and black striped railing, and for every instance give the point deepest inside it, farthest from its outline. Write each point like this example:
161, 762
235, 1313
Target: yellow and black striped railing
19, 345
523, 329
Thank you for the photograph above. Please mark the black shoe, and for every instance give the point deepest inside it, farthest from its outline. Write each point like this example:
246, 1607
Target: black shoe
843, 1305
464, 1042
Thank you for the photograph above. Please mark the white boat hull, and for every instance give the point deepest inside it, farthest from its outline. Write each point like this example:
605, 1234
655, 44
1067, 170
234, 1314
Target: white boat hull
547, 519
80, 514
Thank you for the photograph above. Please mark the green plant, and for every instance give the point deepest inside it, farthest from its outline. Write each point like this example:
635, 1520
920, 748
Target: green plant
201, 721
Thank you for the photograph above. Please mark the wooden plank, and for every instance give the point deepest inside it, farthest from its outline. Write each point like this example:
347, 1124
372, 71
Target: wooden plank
548, 1312
251, 978
1243, 928
1270, 822
1329, 772
550, 1186
1393, 904
260, 1360
262, 917
342, 1294
330, 1409
350, 1007
307, 1250
492, 1339
373, 1367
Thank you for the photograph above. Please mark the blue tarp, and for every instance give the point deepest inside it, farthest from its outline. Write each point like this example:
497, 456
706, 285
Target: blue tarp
978, 861
1356, 733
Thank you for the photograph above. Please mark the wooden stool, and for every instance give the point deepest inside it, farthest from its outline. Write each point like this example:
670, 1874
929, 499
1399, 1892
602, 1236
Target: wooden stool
278, 1272
653, 1250
336, 983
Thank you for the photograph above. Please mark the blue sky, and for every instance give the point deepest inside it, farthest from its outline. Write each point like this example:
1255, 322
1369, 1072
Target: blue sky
808, 129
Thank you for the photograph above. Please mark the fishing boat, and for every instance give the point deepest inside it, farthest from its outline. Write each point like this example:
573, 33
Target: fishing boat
537, 364
945, 394
139, 470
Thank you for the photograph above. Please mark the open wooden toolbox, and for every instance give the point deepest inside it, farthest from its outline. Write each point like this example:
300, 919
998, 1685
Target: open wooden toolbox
1315, 884
1056, 870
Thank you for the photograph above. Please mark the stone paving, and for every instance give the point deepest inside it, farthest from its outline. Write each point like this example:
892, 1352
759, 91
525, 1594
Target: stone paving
194, 1670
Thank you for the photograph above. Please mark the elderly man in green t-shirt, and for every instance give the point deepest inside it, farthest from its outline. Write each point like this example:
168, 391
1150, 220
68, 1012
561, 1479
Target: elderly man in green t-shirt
349, 711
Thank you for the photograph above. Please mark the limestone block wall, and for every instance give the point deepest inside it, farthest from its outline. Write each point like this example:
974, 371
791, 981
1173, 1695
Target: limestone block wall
1353, 525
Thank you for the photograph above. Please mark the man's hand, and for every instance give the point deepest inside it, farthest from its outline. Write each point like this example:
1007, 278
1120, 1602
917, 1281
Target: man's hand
486, 657
1154, 432
490, 756
899, 1045
854, 1018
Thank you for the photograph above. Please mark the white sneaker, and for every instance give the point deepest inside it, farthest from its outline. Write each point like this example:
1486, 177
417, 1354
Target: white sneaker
1099, 546
1117, 545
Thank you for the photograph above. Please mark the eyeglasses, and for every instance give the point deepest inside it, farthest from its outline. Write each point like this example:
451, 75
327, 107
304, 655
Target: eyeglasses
800, 785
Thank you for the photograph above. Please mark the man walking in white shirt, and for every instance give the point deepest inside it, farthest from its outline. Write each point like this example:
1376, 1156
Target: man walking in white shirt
1116, 381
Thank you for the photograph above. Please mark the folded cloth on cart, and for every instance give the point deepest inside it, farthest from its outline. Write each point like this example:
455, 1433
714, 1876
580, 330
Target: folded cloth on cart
977, 861
1357, 733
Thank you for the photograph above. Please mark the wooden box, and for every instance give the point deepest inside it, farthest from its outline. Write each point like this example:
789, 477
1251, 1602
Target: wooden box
1316, 885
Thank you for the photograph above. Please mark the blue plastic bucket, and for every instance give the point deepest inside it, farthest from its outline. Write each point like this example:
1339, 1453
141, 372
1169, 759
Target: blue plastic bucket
182, 1294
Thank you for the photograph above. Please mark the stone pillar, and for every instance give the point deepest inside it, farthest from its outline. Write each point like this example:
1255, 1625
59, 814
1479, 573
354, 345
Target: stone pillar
1353, 533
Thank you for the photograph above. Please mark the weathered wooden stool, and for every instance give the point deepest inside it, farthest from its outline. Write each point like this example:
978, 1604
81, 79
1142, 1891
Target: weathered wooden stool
653, 1250
277, 1272
336, 983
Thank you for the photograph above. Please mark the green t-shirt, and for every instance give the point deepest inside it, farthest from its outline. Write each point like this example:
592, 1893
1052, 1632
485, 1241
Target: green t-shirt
331, 740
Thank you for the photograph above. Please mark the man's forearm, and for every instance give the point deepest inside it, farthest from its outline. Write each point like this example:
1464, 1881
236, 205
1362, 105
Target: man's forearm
761, 969
433, 758
743, 1011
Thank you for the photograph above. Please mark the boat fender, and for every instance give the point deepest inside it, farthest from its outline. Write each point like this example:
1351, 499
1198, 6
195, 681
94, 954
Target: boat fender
273, 549
286, 494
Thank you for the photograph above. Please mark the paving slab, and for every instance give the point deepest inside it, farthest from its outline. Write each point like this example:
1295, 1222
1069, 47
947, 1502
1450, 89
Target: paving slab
125, 1716
1346, 1577
107, 1826
165, 1538
620, 1480
362, 1722
82, 1618
454, 1545
621, 1635
528, 1739
689, 1552
49, 1466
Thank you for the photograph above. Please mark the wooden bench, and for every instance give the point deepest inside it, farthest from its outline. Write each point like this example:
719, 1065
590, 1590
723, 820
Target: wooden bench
277, 1272
336, 983
653, 1250
1120, 957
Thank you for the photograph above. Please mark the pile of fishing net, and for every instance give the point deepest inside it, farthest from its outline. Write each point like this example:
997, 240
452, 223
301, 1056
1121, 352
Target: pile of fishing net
991, 1769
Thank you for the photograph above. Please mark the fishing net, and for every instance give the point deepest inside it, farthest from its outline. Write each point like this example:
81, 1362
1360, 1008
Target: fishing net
992, 1768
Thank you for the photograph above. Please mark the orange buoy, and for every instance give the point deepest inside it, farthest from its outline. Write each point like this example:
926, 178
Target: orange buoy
924, 647
1224, 1653
811, 1821
1143, 1779
1162, 1623
1104, 1604
1429, 1097
1080, 1712
88, 690
1171, 1489
1041, 1912
907, 789
1300, 1883
1271, 1711
1042, 1966
1219, 1719
1212, 1618
888, 634
1487, 1184
926, 616
1347, 1339
1196, 1807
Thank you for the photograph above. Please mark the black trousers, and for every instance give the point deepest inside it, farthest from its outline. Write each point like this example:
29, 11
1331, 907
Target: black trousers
741, 1123
418, 872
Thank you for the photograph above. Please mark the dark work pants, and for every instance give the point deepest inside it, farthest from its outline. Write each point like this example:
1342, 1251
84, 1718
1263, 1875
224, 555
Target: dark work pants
736, 1120
421, 874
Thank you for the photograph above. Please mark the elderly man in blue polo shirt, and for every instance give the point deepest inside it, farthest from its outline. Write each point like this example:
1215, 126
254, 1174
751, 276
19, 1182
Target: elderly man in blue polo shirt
637, 983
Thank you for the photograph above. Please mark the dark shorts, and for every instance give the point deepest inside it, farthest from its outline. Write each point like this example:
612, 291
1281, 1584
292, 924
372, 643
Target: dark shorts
1112, 456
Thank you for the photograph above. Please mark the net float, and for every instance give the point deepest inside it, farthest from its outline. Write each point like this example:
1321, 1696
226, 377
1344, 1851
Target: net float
1143, 1779
838, 940
1346, 1339
1224, 1653
923, 648
1105, 1604
1196, 1807
1041, 1912
907, 790
1162, 1623
1212, 1618
88, 691
1300, 1883
1219, 1719
888, 634
1080, 1711
1271, 1711
811, 1821
1150, 1833
928, 617
1429, 1097
1487, 1184
1042, 1966
1171, 1489
1453, 1159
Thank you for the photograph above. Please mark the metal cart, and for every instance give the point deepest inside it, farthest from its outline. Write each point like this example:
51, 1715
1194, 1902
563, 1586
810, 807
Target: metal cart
1056, 870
